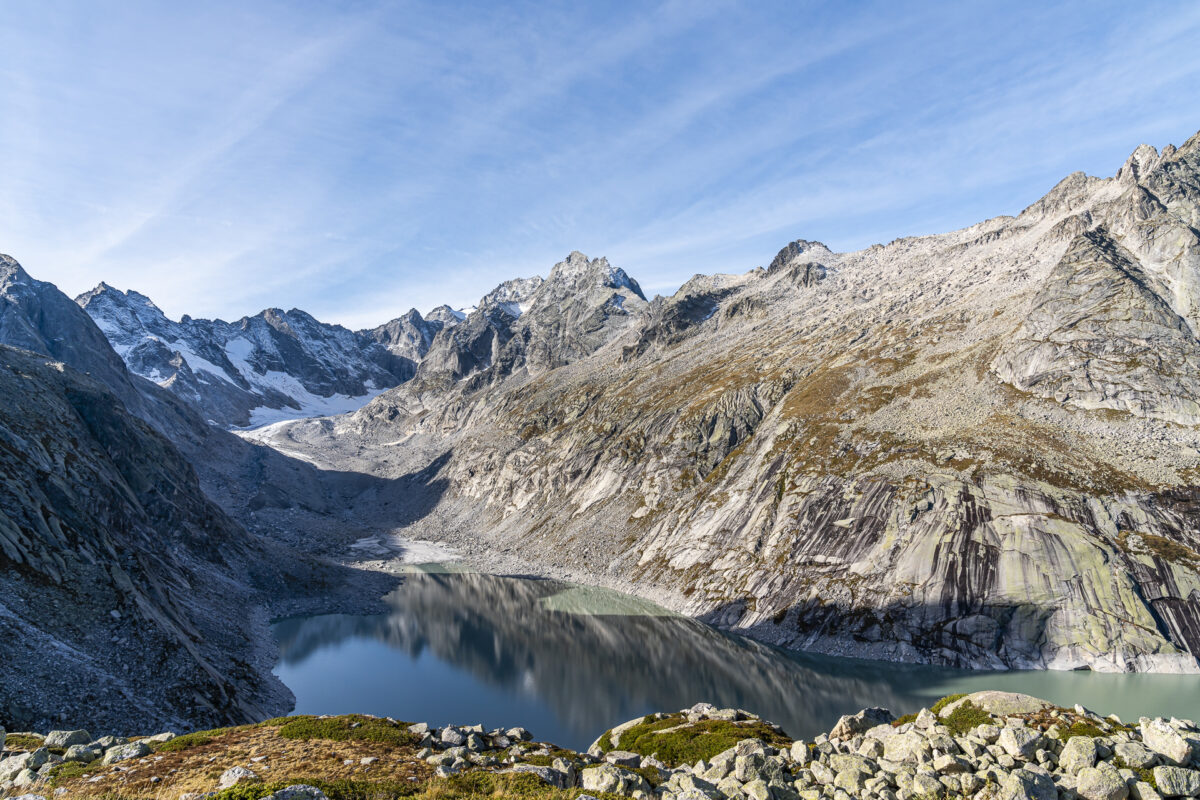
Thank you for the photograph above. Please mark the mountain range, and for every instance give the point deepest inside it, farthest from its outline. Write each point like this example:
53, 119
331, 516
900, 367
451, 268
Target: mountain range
977, 448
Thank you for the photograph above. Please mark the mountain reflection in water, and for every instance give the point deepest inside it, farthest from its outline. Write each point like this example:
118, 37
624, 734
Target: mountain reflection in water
568, 662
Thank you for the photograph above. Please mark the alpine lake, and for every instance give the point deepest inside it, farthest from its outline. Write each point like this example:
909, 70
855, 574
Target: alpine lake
568, 662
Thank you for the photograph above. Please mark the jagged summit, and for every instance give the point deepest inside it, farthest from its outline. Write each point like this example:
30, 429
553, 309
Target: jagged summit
578, 270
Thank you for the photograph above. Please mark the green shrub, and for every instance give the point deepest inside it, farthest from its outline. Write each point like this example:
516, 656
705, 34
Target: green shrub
945, 701
965, 718
187, 740
22, 741
693, 741
352, 727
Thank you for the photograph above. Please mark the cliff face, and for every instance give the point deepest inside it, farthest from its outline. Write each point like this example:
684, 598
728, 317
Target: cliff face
124, 591
976, 448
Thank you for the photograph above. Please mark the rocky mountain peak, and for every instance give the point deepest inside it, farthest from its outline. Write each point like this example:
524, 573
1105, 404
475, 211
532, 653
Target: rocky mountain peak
513, 296
1140, 162
794, 251
446, 315
11, 271
581, 272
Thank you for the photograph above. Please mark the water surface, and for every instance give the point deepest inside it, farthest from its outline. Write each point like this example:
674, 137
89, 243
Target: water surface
568, 662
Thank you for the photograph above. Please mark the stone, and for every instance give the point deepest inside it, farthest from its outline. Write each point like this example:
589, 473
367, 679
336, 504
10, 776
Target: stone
1166, 741
300, 791
905, 748
1078, 753
1020, 742
757, 790
1134, 754
235, 775
1177, 782
871, 748
799, 752
1101, 783
64, 739
159, 738
925, 719
951, 764
124, 752
852, 724
623, 758
1144, 791
685, 785
608, 778
840, 762
988, 734
551, 776
105, 742
925, 785
999, 703
821, 773
81, 753
1022, 784
453, 737
851, 781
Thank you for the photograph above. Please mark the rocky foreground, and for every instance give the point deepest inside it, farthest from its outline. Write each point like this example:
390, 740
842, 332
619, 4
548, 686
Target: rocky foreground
988, 745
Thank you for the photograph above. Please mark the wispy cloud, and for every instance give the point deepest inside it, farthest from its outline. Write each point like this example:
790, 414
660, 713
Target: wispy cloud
357, 160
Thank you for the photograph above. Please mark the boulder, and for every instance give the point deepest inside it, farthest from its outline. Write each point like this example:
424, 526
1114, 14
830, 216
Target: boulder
124, 752
1020, 742
608, 778
159, 738
453, 737
1177, 782
1135, 755
623, 758
905, 748
840, 762
1023, 784
999, 703
551, 776
64, 739
851, 781
1078, 753
81, 753
1166, 741
853, 724
951, 764
1101, 783
235, 775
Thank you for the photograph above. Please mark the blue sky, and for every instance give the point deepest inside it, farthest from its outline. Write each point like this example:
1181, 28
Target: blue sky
355, 159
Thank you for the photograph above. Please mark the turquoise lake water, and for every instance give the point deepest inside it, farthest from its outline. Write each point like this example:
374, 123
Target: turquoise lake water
568, 662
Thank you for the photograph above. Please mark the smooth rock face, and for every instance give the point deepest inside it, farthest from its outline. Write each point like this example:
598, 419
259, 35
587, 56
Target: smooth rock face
944, 427
1177, 782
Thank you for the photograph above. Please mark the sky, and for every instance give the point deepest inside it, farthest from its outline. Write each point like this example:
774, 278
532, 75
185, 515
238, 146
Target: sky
355, 159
